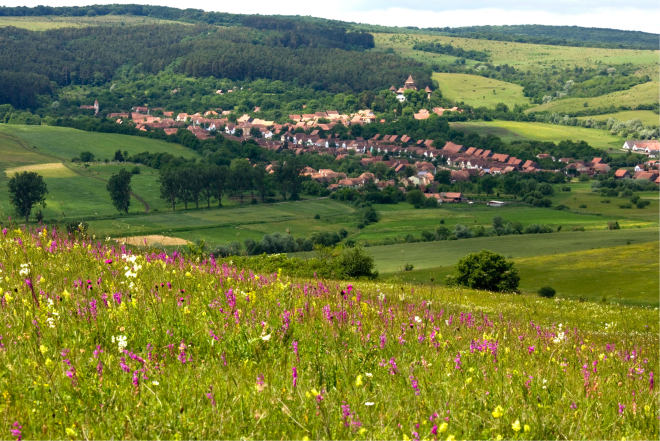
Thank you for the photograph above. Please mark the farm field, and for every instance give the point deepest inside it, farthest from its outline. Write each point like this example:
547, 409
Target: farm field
479, 91
44, 23
646, 116
395, 358
510, 131
525, 55
624, 274
424, 255
646, 93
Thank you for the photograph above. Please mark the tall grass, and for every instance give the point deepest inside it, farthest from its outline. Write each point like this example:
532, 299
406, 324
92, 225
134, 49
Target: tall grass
99, 343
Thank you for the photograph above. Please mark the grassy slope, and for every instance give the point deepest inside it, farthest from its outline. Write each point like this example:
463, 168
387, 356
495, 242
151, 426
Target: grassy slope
646, 93
624, 274
55, 22
479, 91
521, 131
646, 116
84, 194
525, 55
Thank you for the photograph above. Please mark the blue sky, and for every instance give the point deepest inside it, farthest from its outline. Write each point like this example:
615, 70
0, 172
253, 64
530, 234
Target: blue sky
642, 15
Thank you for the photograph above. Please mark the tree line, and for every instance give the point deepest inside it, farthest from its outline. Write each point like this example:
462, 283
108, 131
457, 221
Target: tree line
192, 183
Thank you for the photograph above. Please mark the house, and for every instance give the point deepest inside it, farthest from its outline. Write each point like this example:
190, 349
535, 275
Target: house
422, 114
141, 109
452, 197
543, 156
601, 168
436, 196
182, 117
649, 176
450, 147
620, 174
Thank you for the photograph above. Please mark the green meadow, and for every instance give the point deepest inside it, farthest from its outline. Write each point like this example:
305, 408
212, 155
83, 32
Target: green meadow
510, 131
479, 91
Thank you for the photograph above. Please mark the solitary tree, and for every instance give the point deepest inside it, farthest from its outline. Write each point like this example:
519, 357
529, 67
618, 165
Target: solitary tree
486, 270
119, 187
26, 190
241, 177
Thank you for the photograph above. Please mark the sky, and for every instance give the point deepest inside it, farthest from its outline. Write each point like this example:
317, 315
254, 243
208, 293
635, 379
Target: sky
639, 15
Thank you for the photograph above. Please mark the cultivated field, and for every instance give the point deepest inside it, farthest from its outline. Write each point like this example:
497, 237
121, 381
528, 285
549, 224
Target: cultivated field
98, 343
523, 131
479, 91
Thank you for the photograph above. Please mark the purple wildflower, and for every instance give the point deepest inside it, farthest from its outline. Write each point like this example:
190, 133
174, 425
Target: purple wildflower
415, 385
16, 431
294, 373
621, 408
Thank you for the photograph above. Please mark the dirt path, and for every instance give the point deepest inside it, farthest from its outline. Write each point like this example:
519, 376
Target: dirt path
25, 146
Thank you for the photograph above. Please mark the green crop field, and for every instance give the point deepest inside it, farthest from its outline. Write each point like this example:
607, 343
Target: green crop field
646, 116
479, 91
521, 131
43, 23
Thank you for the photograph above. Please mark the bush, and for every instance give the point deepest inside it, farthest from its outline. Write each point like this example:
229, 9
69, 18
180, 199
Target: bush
547, 292
86, 157
566, 188
462, 231
605, 201
136, 170
583, 206
428, 236
537, 229
584, 177
642, 203
408, 267
628, 205
317, 216
486, 270
561, 207
613, 225
356, 262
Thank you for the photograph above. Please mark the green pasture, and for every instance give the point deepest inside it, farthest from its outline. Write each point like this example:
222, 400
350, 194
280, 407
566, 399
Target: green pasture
510, 131
67, 143
646, 93
479, 91
646, 116
45, 23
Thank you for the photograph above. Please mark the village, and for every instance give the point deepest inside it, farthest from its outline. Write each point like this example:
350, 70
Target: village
306, 133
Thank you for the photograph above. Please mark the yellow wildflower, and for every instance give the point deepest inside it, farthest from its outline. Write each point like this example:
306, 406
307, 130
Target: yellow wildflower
443, 428
43, 349
451, 438
468, 381
66, 294
358, 380
516, 426
527, 428
498, 412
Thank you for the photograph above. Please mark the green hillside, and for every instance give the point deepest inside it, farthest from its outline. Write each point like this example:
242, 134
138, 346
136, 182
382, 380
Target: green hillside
479, 91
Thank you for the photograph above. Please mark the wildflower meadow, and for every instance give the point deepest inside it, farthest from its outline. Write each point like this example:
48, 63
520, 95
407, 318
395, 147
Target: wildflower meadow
99, 342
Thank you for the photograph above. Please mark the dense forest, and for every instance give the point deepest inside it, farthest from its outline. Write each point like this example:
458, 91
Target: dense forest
448, 49
302, 55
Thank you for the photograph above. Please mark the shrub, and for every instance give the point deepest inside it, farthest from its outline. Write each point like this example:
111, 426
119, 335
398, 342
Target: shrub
627, 205
317, 216
408, 267
356, 262
537, 229
613, 225
486, 270
584, 177
566, 188
136, 170
561, 207
86, 157
462, 231
642, 203
547, 292
605, 201
428, 236
583, 206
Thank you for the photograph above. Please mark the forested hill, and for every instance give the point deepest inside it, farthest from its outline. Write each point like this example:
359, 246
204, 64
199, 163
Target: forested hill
281, 51
559, 35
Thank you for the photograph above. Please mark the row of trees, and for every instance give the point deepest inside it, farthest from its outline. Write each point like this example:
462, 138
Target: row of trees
195, 183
